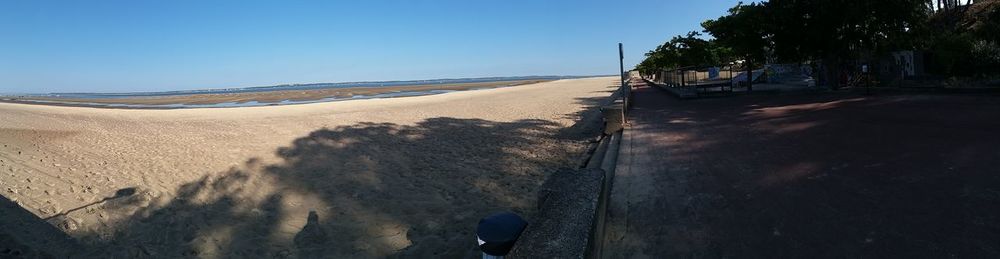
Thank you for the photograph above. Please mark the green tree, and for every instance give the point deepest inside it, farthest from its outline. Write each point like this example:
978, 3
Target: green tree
964, 41
836, 31
685, 51
745, 30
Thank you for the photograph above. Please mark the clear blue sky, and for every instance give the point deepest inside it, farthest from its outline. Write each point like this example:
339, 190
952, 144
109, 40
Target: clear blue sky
136, 45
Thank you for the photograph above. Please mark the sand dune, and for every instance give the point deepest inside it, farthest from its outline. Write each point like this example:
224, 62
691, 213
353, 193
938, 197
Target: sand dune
386, 177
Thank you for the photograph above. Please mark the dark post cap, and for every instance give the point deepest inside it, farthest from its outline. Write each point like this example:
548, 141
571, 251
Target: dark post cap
498, 232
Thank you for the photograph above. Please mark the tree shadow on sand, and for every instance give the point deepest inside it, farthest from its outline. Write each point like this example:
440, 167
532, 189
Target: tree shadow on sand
378, 189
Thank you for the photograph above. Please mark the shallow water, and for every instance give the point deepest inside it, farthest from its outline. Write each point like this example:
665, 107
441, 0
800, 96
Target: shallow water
287, 87
26, 98
243, 104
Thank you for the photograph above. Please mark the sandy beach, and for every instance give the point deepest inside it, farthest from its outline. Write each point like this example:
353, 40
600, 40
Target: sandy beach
386, 177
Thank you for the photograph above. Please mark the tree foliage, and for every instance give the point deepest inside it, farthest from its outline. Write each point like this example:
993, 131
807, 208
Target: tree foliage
839, 32
744, 30
684, 51
844, 29
964, 40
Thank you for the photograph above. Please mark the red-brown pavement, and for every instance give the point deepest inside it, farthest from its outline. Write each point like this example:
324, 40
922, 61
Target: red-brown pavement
824, 175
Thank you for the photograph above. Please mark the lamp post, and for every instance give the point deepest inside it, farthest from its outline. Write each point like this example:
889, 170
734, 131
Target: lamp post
626, 90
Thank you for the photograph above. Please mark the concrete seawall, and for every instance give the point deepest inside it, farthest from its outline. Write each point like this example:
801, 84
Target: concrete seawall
573, 202
564, 228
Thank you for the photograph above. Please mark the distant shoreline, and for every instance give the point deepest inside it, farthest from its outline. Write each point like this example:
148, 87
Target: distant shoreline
297, 86
257, 97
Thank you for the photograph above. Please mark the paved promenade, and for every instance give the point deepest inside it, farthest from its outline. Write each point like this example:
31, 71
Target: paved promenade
637, 223
824, 175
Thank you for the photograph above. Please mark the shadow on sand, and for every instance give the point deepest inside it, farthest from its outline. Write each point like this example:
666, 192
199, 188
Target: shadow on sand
367, 190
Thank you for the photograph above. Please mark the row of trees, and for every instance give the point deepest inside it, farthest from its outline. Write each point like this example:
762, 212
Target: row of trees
835, 33
688, 50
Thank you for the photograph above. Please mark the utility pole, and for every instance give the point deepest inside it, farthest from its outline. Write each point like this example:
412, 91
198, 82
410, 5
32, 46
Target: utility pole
626, 90
621, 63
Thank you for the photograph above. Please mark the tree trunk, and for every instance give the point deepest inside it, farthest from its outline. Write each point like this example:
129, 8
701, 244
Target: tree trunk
749, 67
831, 72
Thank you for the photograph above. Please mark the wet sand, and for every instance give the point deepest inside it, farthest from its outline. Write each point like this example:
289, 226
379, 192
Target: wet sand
267, 96
386, 177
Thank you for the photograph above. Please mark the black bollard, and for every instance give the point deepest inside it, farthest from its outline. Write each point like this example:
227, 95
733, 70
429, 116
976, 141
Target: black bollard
498, 232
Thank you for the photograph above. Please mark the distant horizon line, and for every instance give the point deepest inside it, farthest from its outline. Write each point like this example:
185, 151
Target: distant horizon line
194, 91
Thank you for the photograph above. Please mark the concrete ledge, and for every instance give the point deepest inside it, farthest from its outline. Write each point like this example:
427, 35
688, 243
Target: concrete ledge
572, 203
568, 204
608, 164
614, 116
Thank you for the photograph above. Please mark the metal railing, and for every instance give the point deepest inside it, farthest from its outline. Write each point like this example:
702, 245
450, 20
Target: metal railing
701, 79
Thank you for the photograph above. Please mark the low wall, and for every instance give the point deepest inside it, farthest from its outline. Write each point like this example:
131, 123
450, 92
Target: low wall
568, 206
572, 203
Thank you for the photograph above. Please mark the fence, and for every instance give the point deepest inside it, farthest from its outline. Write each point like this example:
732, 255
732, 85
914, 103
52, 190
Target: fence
699, 79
